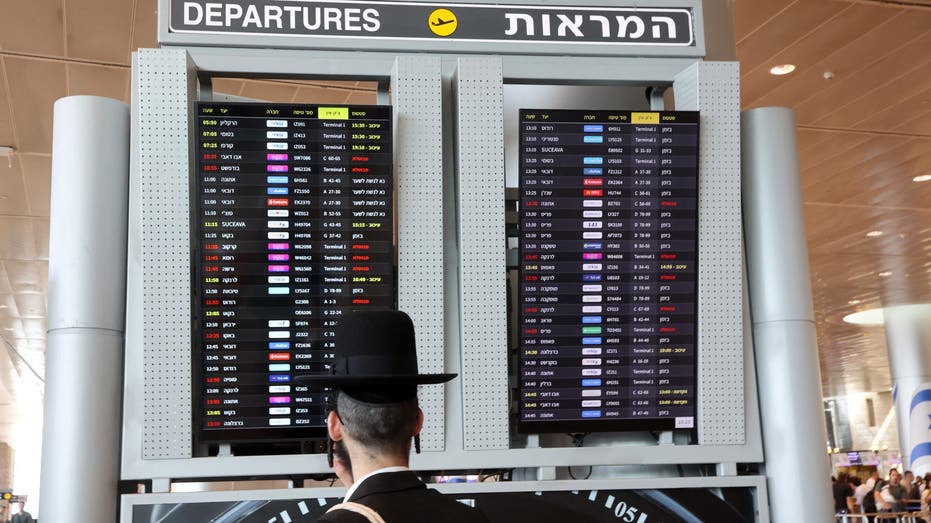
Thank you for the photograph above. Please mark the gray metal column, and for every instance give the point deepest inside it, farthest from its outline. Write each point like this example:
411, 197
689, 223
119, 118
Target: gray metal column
908, 337
86, 310
479, 121
794, 436
417, 91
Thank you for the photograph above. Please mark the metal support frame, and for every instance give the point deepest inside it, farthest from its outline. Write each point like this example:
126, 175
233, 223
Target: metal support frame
479, 102
726, 469
161, 485
178, 463
713, 89
157, 374
417, 87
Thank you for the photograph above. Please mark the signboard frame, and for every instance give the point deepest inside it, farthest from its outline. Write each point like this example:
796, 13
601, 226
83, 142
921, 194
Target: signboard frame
206, 36
157, 440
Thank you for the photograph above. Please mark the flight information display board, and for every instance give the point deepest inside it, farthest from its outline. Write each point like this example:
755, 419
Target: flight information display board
608, 254
294, 223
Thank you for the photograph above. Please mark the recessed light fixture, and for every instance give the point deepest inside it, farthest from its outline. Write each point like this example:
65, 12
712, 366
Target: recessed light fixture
922, 178
780, 70
853, 302
868, 317
884, 273
7, 150
873, 234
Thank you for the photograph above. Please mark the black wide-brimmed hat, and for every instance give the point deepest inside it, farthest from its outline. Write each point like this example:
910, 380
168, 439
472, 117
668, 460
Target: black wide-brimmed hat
374, 349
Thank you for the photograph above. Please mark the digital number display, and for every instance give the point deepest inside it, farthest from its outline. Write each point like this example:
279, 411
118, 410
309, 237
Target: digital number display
608, 254
293, 213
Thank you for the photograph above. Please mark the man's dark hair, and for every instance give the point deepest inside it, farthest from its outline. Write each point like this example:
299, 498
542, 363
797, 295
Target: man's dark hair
855, 481
382, 428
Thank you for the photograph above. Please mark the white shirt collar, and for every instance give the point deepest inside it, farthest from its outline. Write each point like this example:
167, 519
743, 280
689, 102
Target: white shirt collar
358, 482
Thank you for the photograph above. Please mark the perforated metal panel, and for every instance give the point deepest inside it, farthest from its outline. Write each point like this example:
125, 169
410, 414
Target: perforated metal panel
482, 288
713, 88
165, 87
417, 92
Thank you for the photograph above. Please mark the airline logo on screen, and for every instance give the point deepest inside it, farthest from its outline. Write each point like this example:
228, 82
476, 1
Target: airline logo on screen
463, 22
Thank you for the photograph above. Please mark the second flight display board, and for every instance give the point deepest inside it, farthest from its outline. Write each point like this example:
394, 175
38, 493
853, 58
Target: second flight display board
608, 265
294, 219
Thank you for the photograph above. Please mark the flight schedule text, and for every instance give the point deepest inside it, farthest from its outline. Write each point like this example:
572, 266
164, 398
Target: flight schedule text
608, 254
293, 217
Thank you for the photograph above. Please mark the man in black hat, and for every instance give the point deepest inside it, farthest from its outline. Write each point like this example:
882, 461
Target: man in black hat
373, 418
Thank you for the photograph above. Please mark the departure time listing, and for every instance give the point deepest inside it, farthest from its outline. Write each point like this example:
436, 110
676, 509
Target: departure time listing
608, 253
294, 214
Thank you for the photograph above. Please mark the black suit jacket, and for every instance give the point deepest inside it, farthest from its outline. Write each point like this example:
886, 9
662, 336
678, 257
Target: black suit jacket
400, 497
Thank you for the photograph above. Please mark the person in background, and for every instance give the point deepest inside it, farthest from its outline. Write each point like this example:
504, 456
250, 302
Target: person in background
871, 481
926, 497
860, 492
843, 495
872, 501
911, 486
855, 484
20, 515
893, 494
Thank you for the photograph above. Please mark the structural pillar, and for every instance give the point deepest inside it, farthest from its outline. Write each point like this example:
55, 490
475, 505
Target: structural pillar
908, 337
86, 310
785, 345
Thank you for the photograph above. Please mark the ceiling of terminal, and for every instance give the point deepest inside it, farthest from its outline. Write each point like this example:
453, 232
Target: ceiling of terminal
862, 97
861, 91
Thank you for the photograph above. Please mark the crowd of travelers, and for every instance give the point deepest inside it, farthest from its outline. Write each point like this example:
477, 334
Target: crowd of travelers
898, 493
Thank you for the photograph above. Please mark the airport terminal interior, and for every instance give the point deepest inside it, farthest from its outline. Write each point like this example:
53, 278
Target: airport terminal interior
856, 73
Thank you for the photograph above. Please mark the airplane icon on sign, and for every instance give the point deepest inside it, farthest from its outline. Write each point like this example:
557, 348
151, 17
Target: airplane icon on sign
442, 22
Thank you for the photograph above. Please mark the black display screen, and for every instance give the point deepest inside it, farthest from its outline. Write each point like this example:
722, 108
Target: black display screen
293, 213
608, 254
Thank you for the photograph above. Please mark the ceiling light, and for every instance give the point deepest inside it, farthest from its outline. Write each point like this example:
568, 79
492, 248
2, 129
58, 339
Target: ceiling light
780, 70
868, 317
8, 150
873, 234
884, 273
853, 302
922, 178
